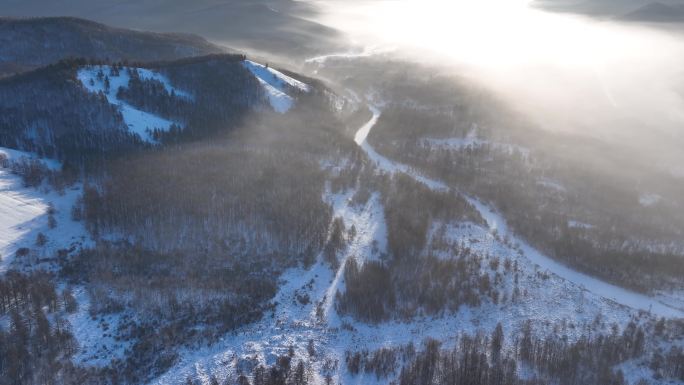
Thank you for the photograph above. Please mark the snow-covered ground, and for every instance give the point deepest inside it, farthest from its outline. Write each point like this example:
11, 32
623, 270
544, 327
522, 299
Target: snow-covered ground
96, 335
277, 85
18, 156
24, 213
561, 300
138, 121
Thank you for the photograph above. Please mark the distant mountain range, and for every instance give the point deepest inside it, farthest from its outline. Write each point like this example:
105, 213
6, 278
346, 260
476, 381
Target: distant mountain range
275, 26
657, 12
35, 42
671, 11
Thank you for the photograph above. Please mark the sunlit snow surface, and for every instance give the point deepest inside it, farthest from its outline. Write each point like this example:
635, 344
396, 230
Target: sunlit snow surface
277, 85
138, 121
23, 213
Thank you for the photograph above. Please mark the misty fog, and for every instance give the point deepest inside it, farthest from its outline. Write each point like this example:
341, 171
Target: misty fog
617, 81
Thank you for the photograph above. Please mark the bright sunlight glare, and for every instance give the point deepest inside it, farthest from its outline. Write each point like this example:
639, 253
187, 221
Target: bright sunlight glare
599, 77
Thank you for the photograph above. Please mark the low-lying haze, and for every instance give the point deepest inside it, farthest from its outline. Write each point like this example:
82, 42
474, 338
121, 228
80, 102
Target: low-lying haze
618, 81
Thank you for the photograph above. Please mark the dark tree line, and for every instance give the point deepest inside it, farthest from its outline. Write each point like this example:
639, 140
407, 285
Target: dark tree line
33, 42
500, 359
37, 344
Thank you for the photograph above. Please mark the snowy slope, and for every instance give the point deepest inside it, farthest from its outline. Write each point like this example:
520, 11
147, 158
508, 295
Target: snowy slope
137, 121
18, 156
277, 85
96, 336
24, 215
563, 301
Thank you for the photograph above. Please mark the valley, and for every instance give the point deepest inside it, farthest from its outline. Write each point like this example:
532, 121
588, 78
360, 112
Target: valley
173, 211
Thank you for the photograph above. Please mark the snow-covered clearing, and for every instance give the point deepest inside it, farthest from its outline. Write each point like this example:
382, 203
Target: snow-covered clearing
276, 84
19, 156
96, 336
137, 121
24, 213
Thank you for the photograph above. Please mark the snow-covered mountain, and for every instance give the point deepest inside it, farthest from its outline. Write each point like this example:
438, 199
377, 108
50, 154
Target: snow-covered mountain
214, 220
85, 109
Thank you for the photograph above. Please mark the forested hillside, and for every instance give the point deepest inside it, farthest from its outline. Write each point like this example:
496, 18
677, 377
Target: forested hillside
28, 43
87, 112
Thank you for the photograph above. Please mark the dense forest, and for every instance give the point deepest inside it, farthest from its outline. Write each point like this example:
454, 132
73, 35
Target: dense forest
522, 357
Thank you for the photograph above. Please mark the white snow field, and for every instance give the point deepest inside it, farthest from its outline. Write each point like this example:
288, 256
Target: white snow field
276, 84
96, 336
24, 215
18, 156
137, 121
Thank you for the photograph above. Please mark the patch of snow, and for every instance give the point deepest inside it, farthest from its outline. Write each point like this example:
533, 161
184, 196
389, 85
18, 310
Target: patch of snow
385, 164
24, 216
139, 122
147, 74
276, 84
369, 242
648, 200
96, 336
579, 225
551, 185
17, 156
